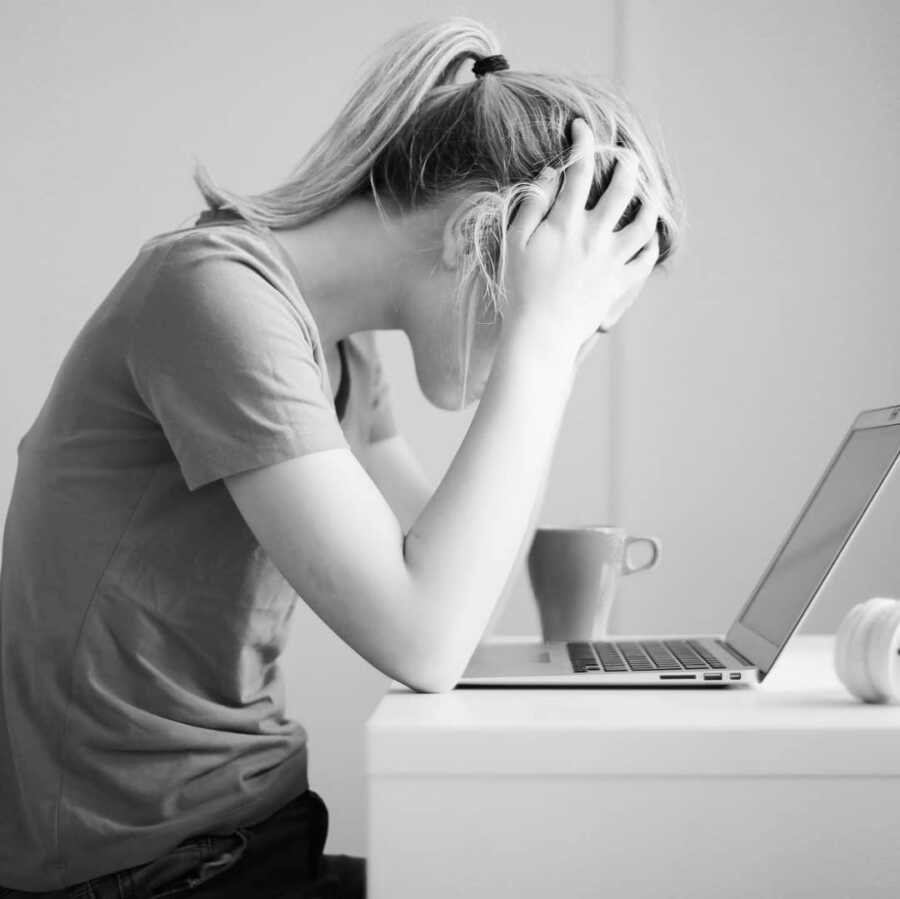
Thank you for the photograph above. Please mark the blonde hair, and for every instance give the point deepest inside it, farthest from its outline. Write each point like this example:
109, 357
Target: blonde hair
416, 133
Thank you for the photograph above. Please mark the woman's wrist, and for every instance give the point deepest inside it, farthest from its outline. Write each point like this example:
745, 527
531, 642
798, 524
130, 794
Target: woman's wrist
540, 346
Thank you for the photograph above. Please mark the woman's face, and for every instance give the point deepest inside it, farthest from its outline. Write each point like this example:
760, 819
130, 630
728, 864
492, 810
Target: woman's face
436, 331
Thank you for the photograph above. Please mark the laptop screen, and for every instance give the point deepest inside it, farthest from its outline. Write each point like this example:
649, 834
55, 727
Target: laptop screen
817, 539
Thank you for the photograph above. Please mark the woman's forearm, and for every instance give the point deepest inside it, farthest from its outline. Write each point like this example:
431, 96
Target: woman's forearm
523, 548
463, 546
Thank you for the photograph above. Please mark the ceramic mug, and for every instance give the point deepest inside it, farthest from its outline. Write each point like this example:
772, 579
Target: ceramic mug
574, 573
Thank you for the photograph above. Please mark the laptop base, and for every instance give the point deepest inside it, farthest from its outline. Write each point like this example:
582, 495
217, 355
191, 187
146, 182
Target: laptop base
505, 662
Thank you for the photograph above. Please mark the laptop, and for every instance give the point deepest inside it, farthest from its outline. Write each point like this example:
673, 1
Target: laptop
782, 598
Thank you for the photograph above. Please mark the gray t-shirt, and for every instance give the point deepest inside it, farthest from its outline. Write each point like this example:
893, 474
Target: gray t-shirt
140, 620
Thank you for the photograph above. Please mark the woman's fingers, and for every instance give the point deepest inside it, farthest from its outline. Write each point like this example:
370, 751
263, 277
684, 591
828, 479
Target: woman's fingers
640, 267
534, 206
578, 176
638, 232
618, 194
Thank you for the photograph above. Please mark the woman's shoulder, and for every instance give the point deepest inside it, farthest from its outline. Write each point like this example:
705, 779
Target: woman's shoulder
232, 260
215, 239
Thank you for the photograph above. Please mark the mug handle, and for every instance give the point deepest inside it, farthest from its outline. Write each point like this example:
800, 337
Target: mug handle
656, 546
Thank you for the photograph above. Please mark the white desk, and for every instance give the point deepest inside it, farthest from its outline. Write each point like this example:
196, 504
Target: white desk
788, 789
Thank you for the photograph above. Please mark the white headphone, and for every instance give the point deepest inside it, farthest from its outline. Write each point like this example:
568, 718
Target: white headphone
867, 650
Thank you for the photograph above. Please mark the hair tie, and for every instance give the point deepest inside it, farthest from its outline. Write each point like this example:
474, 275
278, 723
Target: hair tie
486, 64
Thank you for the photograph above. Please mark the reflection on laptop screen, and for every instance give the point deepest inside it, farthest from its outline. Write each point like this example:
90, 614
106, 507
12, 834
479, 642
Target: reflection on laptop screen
801, 566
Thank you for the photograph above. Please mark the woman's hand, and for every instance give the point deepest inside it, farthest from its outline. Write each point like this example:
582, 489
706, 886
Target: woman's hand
569, 274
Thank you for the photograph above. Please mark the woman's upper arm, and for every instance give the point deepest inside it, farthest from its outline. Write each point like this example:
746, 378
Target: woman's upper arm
336, 540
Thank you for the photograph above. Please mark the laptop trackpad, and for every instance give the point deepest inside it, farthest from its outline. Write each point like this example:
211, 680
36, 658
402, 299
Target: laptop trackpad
517, 659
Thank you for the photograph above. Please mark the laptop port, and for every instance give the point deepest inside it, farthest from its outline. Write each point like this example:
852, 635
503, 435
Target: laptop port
712, 677
735, 675
678, 677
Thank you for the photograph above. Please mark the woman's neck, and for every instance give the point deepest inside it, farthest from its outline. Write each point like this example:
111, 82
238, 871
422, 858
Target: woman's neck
354, 272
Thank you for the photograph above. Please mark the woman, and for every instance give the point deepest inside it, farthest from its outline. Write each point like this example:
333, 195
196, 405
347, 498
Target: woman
219, 439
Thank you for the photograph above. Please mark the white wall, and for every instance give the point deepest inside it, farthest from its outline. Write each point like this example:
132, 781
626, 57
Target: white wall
103, 105
742, 371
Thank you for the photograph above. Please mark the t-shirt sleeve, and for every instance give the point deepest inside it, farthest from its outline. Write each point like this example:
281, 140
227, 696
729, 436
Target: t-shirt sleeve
225, 362
383, 424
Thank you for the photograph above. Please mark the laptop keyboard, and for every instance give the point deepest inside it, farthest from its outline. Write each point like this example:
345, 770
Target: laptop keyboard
633, 655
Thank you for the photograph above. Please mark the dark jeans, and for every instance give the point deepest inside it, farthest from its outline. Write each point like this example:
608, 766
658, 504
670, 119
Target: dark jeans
279, 858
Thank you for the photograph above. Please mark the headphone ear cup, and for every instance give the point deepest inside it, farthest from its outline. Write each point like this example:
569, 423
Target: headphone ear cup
855, 640
882, 658
845, 649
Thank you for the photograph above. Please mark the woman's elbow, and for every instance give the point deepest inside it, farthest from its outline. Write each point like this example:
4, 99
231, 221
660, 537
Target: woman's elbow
430, 675
431, 671
432, 683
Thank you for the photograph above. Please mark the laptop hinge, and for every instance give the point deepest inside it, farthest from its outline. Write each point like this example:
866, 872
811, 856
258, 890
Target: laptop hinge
732, 651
